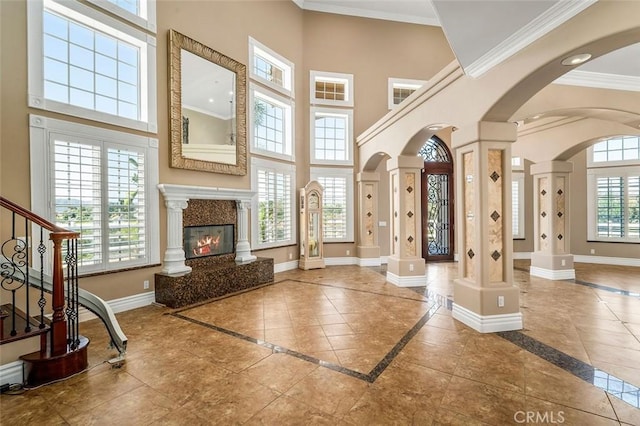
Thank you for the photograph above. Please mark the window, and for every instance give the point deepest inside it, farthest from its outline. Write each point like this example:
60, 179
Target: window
337, 221
517, 204
102, 184
87, 64
399, 89
517, 197
273, 212
620, 150
613, 207
331, 136
269, 68
328, 88
272, 130
139, 12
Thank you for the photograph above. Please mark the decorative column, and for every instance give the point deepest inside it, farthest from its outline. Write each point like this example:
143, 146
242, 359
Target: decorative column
552, 258
485, 297
368, 200
243, 248
174, 255
406, 266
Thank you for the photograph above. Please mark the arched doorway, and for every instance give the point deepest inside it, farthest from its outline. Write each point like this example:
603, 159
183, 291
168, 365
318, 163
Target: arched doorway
437, 201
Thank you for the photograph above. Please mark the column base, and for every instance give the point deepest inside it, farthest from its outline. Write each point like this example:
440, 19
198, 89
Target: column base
487, 309
406, 272
368, 255
552, 266
173, 263
487, 323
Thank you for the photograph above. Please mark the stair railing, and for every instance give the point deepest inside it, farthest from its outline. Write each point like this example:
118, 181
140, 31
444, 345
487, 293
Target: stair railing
16, 258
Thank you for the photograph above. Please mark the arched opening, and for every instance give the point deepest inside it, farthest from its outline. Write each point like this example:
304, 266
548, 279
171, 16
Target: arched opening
437, 201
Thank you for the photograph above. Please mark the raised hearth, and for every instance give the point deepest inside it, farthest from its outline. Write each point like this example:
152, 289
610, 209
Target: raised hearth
205, 283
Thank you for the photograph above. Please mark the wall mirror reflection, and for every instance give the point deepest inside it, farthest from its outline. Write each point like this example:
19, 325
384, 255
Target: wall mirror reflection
207, 108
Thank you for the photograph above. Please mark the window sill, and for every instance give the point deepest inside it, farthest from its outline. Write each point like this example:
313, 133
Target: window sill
115, 271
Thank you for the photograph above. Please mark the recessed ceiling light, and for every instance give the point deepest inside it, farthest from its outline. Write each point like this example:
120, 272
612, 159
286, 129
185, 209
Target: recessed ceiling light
535, 117
576, 59
210, 99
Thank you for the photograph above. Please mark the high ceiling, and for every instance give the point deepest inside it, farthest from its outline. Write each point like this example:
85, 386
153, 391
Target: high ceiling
483, 33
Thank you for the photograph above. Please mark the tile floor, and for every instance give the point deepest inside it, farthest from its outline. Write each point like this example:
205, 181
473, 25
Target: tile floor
340, 346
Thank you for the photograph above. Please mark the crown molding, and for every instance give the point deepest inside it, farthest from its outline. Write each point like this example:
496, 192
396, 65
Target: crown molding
600, 80
544, 23
319, 6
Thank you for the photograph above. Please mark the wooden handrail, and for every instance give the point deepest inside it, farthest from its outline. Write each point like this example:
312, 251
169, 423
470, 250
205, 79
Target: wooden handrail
62, 232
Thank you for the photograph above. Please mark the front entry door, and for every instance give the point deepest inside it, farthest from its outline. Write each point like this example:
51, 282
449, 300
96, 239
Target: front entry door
437, 204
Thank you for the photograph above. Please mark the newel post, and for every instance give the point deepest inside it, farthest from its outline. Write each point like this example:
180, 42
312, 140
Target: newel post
58, 322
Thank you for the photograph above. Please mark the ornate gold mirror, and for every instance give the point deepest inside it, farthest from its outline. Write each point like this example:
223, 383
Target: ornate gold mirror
208, 108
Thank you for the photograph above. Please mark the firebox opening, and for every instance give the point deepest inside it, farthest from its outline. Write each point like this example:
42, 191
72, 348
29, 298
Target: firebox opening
208, 240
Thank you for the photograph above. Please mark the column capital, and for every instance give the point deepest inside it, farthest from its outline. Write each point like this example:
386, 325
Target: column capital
484, 131
551, 167
368, 177
405, 162
176, 204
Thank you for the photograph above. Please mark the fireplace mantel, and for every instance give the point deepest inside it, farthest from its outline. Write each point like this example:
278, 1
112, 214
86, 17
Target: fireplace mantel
176, 198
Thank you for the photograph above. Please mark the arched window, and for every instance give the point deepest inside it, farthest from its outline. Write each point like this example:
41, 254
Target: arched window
434, 150
613, 188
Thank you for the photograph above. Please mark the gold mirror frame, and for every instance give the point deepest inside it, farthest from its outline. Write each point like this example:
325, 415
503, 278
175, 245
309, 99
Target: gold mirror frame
177, 43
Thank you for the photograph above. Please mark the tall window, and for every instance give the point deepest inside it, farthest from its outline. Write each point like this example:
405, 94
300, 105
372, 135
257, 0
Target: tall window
273, 212
613, 185
100, 183
337, 207
84, 63
331, 136
271, 103
400, 89
517, 197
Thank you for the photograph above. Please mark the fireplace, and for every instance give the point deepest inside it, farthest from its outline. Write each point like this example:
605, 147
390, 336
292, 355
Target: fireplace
208, 251
208, 240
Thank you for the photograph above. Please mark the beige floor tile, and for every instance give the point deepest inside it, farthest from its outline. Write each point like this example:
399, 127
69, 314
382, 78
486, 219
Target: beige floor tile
329, 391
481, 401
288, 411
545, 412
279, 371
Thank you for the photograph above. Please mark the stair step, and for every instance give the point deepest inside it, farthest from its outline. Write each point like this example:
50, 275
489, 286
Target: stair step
20, 326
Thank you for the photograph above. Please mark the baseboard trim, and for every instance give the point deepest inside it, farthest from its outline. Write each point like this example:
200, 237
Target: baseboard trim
550, 274
487, 323
340, 261
12, 373
122, 304
369, 261
384, 260
520, 255
606, 260
406, 281
285, 266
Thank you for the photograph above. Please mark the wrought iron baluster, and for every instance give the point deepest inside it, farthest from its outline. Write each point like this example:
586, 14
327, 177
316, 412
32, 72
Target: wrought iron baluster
42, 302
27, 327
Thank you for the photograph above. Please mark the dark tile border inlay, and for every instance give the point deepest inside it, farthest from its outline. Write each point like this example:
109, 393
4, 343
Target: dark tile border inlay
607, 288
601, 379
370, 377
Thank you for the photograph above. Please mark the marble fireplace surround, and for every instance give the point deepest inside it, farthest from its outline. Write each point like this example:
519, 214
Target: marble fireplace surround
176, 199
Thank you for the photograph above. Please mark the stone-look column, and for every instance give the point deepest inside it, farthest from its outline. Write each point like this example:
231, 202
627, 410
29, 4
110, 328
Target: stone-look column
174, 255
485, 297
406, 266
552, 258
368, 200
243, 248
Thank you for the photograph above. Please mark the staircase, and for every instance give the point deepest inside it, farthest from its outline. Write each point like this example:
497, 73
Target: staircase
40, 297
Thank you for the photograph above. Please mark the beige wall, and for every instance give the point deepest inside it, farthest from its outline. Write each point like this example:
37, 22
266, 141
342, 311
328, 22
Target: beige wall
207, 129
372, 50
